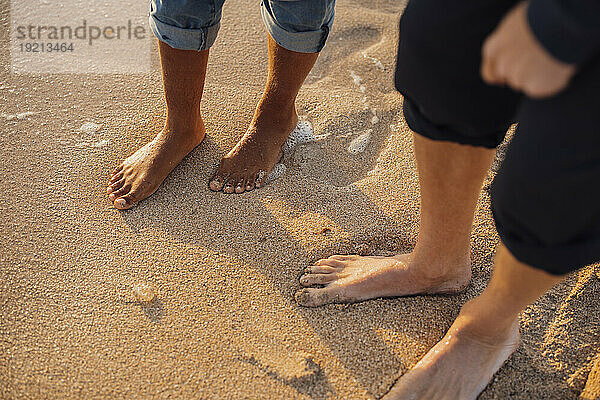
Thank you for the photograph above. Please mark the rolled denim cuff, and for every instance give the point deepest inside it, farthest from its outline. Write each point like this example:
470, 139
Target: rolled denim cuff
305, 41
184, 38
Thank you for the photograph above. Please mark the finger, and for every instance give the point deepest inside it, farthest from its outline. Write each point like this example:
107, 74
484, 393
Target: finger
538, 89
487, 71
517, 76
489, 55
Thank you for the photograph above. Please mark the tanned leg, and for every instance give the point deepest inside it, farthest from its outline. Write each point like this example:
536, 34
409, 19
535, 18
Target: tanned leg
248, 164
450, 178
481, 339
142, 173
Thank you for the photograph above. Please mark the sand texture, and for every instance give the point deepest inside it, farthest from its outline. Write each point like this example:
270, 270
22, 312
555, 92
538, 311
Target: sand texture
224, 268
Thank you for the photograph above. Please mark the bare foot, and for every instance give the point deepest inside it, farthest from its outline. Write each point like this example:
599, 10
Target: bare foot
142, 173
459, 367
248, 164
352, 278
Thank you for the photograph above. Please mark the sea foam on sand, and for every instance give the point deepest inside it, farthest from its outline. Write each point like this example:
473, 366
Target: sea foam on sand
90, 127
302, 134
360, 143
21, 115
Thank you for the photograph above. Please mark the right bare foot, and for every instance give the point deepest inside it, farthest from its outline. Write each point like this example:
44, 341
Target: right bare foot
142, 173
459, 366
249, 163
352, 278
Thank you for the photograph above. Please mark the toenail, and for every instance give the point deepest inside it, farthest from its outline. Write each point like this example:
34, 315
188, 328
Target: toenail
302, 297
121, 202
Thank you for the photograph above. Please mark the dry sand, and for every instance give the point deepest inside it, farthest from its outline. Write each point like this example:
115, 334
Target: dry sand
225, 268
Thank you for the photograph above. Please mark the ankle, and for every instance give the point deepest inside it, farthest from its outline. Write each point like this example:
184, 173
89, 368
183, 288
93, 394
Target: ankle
190, 129
278, 122
435, 265
283, 109
480, 322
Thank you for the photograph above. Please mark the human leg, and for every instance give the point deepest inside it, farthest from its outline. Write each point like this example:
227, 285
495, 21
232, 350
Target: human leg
183, 57
297, 31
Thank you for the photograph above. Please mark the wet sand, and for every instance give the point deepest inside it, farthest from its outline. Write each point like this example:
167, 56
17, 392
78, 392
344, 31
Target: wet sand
224, 324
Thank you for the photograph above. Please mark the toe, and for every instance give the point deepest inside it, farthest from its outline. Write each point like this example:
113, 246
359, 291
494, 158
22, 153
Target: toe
116, 177
313, 297
229, 186
317, 279
342, 257
250, 182
333, 263
216, 183
117, 170
320, 269
240, 187
115, 186
125, 202
261, 177
118, 193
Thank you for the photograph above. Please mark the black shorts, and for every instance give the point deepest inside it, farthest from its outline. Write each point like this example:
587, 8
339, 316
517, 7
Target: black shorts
546, 196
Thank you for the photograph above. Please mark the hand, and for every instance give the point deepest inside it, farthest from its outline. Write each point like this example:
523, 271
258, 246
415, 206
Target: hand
512, 56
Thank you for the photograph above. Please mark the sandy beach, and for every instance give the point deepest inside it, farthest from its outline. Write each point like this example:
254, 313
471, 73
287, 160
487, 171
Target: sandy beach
225, 324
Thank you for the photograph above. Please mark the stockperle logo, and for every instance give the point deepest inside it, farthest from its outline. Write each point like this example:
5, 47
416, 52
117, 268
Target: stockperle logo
78, 36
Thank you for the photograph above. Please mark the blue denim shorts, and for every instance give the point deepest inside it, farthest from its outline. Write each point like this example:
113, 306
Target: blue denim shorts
297, 25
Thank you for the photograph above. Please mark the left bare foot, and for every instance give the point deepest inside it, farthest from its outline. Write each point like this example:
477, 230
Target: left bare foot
248, 164
459, 366
352, 278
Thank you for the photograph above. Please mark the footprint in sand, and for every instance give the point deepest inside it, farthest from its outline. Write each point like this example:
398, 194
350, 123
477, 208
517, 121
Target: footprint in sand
360, 143
339, 45
276, 173
295, 369
302, 134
